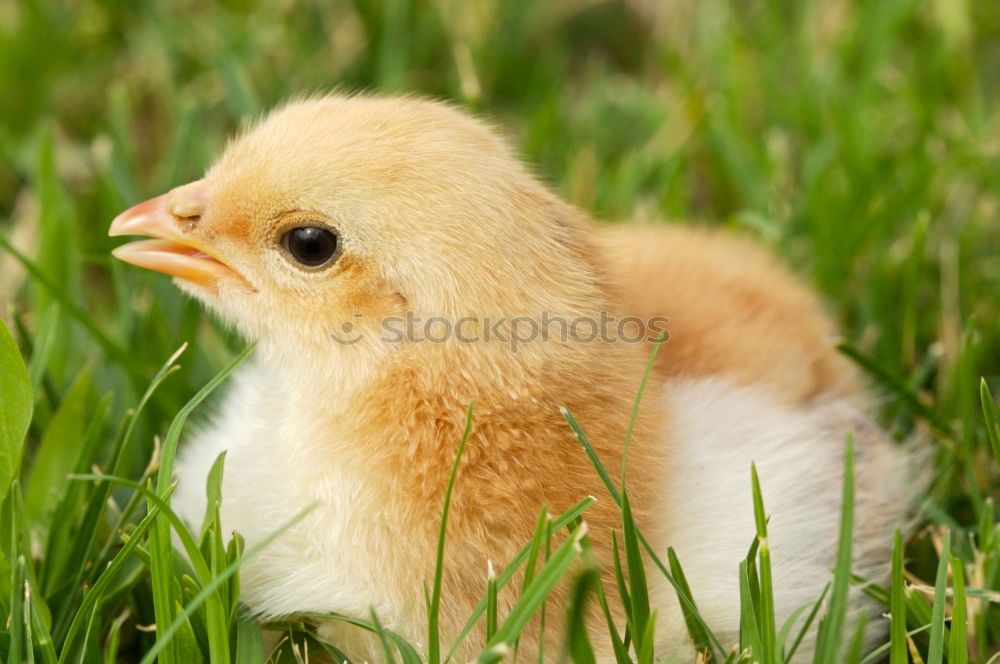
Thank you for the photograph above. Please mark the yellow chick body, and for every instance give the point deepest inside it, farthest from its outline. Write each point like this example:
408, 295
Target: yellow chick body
335, 215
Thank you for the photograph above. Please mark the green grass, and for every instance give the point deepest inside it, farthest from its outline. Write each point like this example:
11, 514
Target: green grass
861, 140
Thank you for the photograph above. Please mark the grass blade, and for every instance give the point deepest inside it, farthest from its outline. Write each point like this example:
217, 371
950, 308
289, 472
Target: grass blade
165, 475
535, 547
592, 455
491, 601
697, 633
96, 593
935, 650
111, 648
249, 640
786, 628
56, 453
768, 631
206, 592
958, 647
749, 629
682, 596
577, 643
991, 417
161, 547
853, 655
635, 404
433, 610
876, 655
637, 586
644, 655
15, 408
533, 598
618, 646
622, 585
406, 651
897, 605
831, 633
561, 521
383, 638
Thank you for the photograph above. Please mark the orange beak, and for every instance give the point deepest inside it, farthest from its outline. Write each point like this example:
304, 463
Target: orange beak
177, 250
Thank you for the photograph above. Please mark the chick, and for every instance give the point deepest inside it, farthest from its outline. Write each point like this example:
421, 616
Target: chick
325, 227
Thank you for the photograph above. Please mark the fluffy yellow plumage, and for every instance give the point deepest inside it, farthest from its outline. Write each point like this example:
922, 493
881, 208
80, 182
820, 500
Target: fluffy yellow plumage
336, 215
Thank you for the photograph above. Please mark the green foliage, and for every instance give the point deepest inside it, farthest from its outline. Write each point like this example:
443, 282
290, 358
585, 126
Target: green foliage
857, 139
897, 605
830, 638
15, 407
434, 602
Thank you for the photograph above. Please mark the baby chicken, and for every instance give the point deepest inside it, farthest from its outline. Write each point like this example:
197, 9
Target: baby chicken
334, 220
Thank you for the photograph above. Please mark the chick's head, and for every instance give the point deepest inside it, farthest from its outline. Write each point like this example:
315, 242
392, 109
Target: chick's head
352, 209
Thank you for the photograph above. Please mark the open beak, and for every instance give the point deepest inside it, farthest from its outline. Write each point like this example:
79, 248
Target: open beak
174, 251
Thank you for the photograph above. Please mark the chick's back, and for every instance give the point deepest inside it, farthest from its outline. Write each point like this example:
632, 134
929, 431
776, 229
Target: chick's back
733, 311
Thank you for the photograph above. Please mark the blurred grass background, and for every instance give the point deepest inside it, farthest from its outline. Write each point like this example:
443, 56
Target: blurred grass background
860, 139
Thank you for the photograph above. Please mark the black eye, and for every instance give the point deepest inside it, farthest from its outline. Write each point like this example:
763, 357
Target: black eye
310, 245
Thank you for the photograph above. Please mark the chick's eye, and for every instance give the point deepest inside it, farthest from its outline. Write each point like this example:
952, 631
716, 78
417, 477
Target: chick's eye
310, 245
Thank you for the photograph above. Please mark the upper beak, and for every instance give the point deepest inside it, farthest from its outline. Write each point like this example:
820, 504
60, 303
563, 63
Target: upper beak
178, 250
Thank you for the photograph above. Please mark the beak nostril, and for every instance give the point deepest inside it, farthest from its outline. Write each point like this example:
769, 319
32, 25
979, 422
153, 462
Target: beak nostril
187, 223
187, 204
186, 212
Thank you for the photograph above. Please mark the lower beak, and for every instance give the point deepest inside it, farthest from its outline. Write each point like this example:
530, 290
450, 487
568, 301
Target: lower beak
177, 252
